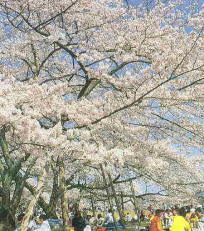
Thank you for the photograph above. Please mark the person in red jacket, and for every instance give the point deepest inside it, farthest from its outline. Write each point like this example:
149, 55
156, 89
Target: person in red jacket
156, 224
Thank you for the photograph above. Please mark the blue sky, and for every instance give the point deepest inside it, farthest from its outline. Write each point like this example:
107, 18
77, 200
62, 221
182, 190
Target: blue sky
186, 2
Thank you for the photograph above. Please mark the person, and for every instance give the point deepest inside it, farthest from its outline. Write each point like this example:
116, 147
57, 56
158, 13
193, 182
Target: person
201, 220
128, 217
166, 218
188, 213
31, 226
109, 218
150, 208
142, 215
156, 224
173, 214
71, 216
100, 220
199, 209
194, 220
179, 221
135, 217
151, 215
88, 221
87, 228
78, 222
93, 222
44, 224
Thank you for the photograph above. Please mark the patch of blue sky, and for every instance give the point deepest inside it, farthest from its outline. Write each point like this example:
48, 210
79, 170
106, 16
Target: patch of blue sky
69, 124
152, 2
133, 2
14, 64
70, 97
7, 28
192, 151
190, 5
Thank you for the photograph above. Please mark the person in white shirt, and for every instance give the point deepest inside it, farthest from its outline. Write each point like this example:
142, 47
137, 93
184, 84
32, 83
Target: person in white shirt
109, 218
44, 224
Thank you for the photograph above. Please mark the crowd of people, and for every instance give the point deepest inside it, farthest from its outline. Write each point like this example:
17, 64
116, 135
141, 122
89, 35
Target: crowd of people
90, 223
10, 223
76, 220
39, 224
175, 219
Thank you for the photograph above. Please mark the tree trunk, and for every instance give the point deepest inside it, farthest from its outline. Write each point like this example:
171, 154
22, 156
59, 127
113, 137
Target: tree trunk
20, 184
122, 201
5, 149
6, 196
134, 198
6, 176
93, 207
18, 178
41, 202
55, 193
34, 200
117, 202
63, 193
108, 193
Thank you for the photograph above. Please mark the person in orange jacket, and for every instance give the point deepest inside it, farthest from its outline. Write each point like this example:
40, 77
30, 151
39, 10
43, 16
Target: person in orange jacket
156, 224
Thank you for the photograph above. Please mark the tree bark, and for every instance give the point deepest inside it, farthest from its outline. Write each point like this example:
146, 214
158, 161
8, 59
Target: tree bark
134, 198
63, 193
117, 202
108, 193
93, 207
41, 202
5, 149
29, 212
20, 184
6, 176
18, 178
122, 201
55, 193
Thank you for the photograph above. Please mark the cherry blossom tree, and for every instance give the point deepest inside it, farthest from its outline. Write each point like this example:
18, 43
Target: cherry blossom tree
101, 84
